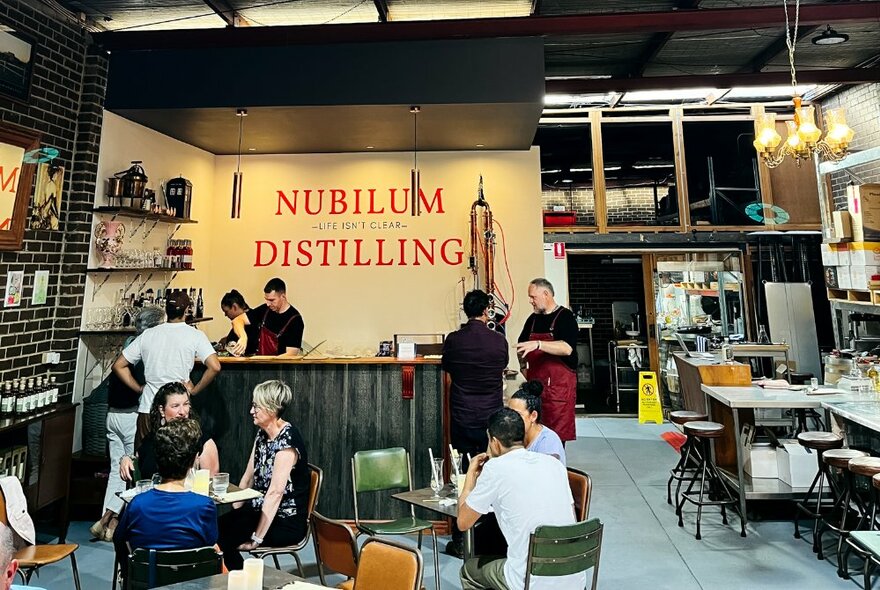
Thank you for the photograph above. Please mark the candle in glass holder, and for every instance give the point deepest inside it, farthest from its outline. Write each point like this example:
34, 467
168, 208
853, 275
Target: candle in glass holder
238, 580
201, 481
253, 567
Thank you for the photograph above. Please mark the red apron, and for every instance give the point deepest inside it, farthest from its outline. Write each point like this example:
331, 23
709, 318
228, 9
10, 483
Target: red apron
560, 386
268, 345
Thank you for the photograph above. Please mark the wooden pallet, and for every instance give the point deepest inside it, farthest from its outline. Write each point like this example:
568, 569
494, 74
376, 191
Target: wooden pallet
854, 296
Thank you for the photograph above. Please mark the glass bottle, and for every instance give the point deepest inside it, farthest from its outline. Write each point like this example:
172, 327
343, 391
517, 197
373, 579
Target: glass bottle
874, 375
762, 335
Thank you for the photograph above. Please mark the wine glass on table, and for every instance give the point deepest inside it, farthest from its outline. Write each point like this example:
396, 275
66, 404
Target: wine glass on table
437, 478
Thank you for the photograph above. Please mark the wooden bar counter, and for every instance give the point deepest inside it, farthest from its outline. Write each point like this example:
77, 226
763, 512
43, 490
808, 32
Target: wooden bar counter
340, 406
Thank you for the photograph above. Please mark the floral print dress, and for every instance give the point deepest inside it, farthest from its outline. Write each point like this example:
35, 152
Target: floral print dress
296, 492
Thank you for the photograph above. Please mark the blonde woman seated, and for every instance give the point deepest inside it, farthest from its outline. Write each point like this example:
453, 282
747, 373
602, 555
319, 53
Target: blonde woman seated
539, 438
171, 403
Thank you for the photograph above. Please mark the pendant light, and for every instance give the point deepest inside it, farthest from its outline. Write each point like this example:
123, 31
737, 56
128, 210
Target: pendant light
415, 204
237, 176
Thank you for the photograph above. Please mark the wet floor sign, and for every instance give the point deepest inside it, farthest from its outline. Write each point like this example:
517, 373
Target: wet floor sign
650, 409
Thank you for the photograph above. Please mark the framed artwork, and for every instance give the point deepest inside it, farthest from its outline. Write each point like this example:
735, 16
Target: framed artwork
14, 285
41, 287
17, 169
16, 63
47, 196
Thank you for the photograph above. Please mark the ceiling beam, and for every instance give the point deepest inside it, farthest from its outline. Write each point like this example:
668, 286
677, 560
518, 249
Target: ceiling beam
842, 76
528, 26
225, 11
658, 41
766, 55
382, 9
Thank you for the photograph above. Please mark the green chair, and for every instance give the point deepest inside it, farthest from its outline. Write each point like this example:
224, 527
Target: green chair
389, 469
151, 568
565, 550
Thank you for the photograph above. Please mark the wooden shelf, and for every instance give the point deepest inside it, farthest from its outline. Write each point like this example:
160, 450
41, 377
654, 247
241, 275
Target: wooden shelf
138, 214
154, 269
131, 330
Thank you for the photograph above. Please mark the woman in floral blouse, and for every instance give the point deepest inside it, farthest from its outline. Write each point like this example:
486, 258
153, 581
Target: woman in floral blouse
278, 467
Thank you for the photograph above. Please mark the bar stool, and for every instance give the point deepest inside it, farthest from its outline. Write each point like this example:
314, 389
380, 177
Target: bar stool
839, 459
686, 468
867, 543
864, 467
714, 491
819, 442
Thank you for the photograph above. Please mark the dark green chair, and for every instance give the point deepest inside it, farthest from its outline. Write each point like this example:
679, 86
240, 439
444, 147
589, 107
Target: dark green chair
389, 469
565, 550
151, 568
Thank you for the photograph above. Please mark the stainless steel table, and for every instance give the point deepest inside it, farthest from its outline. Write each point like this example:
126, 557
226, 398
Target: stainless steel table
272, 580
725, 405
424, 498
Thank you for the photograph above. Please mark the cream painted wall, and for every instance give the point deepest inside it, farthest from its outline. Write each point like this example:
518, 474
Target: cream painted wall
353, 307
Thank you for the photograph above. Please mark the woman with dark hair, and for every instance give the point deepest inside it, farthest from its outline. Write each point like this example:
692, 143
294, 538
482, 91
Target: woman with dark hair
169, 516
233, 305
170, 404
279, 468
539, 438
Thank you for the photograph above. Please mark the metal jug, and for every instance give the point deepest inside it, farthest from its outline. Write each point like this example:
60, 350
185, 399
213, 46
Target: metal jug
134, 182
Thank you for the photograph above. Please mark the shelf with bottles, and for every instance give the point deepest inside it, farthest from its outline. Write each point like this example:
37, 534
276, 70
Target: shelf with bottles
21, 398
127, 331
140, 214
138, 269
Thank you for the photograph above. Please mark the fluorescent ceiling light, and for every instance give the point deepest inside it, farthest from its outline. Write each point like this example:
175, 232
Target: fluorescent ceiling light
550, 171
567, 180
568, 99
667, 95
610, 168
649, 165
581, 170
766, 91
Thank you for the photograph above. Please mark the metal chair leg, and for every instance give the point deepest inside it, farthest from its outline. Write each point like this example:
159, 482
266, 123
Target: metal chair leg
436, 560
275, 560
75, 571
299, 565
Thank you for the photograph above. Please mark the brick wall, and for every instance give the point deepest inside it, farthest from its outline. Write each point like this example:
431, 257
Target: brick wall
595, 286
626, 206
65, 106
862, 104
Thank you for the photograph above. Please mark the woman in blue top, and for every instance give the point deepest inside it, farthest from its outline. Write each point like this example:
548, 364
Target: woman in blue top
168, 516
539, 438
278, 468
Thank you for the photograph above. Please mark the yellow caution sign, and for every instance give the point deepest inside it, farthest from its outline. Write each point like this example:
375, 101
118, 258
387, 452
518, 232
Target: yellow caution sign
650, 409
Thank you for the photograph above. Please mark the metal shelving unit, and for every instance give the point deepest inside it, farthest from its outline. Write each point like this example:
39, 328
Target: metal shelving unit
614, 350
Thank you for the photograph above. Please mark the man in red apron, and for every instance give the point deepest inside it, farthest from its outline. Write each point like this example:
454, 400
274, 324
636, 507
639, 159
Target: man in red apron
548, 349
280, 324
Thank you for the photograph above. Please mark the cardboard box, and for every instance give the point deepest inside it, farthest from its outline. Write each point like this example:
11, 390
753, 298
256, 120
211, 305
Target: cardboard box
844, 280
760, 461
842, 229
830, 255
854, 208
863, 253
843, 255
869, 197
860, 276
795, 465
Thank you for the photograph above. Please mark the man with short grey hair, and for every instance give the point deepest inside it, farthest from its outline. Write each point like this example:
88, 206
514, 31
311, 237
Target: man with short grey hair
8, 564
548, 353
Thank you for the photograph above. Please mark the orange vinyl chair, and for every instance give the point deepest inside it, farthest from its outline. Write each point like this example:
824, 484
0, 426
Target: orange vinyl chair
317, 478
336, 548
386, 565
581, 488
33, 557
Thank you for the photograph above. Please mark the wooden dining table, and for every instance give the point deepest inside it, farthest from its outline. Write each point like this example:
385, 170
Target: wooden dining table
273, 579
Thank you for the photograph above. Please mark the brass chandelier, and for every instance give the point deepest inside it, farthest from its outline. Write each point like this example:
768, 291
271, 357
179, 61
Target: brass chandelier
803, 139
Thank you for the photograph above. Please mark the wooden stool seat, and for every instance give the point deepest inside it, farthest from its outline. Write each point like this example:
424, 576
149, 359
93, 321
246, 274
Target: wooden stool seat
704, 429
820, 440
876, 481
867, 466
683, 416
840, 458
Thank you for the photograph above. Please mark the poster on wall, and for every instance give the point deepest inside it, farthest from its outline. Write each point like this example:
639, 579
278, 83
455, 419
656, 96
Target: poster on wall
47, 196
16, 63
14, 284
41, 287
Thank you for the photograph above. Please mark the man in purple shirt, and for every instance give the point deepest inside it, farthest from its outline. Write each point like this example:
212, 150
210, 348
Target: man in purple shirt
475, 357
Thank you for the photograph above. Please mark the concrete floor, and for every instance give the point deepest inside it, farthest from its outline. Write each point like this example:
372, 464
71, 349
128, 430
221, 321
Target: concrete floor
643, 545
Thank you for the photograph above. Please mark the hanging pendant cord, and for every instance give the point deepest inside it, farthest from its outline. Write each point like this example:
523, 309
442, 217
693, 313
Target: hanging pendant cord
240, 127
791, 39
416, 140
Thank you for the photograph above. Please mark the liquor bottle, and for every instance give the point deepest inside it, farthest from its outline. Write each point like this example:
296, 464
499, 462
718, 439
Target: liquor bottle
200, 306
20, 399
54, 390
31, 404
42, 389
7, 402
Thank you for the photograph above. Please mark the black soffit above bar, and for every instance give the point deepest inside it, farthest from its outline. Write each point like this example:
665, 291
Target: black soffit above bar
334, 98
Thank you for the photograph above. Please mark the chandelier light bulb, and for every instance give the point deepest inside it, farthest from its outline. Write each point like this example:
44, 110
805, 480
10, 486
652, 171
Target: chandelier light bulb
766, 136
807, 129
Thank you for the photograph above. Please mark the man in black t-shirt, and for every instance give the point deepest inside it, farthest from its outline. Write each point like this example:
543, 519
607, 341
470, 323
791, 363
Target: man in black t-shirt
548, 346
280, 326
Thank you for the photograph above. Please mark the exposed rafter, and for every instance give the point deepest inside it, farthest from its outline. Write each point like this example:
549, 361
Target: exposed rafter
658, 41
767, 54
225, 11
842, 76
382, 10
530, 26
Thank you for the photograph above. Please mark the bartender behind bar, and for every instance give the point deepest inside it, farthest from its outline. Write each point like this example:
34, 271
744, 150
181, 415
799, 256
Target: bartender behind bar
279, 325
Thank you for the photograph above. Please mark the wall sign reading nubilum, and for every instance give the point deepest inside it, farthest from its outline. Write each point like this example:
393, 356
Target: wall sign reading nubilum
361, 224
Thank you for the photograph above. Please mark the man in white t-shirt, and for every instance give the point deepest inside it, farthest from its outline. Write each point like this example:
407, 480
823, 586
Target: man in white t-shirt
168, 352
526, 490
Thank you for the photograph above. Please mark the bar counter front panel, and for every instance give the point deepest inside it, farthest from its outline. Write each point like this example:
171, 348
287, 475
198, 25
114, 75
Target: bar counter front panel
340, 406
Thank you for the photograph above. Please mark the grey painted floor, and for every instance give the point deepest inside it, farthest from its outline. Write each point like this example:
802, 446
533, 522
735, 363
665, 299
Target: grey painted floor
643, 546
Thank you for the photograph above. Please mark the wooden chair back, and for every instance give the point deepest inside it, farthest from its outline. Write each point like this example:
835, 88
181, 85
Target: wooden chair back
386, 565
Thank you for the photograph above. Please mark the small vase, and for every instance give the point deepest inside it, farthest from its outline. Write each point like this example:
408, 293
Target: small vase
108, 239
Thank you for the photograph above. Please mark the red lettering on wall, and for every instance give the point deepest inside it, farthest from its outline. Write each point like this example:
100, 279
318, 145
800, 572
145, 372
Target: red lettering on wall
342, 260
8, 183
260, 251
357, 255
283, 197
326, 244
438, 199
457, 254
405, 200
338, 205
357, 201
308, 196
373, 203
402, 261
5, 224
380, 259
420, 247
286, 252
306, 253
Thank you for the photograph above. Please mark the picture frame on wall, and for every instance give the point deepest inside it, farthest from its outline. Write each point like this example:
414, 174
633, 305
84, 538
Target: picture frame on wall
17, 53
14, 287
47, 196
